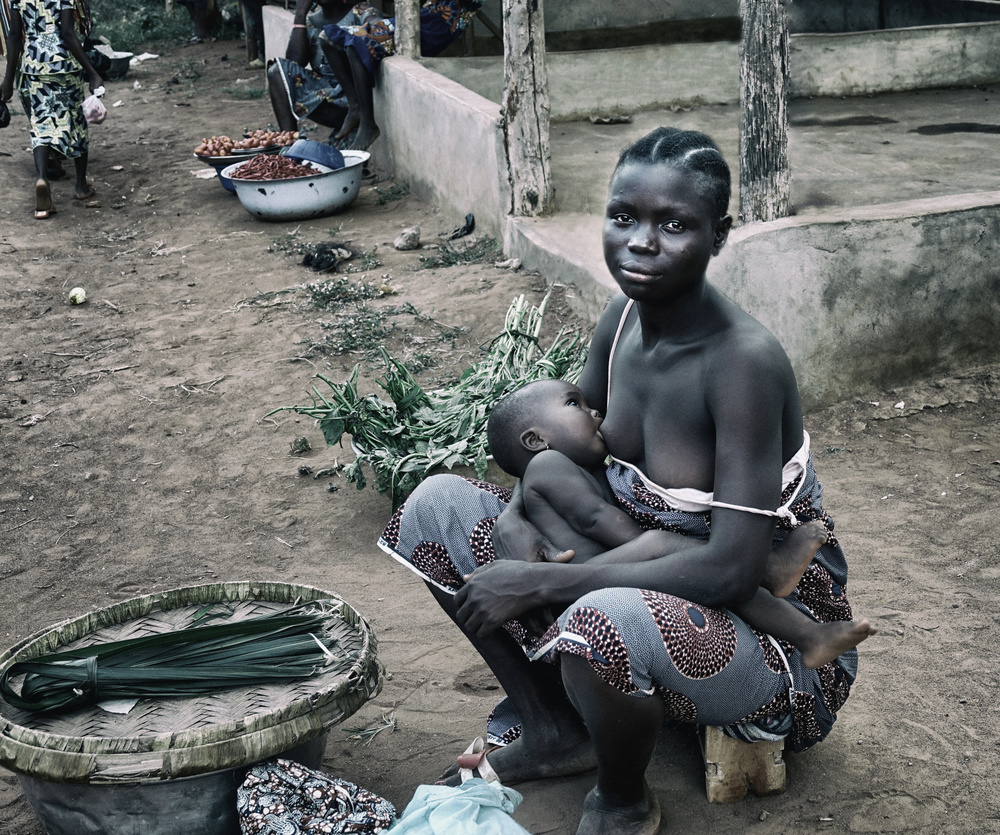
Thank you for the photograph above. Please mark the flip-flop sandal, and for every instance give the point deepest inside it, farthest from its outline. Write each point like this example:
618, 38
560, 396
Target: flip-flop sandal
473, 762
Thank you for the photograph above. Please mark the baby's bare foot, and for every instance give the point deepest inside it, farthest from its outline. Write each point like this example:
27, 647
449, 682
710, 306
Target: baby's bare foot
788, 561
601, 818
833, 639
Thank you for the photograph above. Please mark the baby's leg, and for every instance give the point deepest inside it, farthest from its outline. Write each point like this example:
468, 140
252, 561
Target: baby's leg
788, 561
819, 643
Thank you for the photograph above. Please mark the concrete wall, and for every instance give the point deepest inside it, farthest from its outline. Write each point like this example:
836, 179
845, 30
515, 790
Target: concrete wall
859, 15
873, 297
444, 140
852, 64
895, 59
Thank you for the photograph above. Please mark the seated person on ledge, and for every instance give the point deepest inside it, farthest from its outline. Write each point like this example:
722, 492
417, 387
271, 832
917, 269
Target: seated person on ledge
545, 434
302, 84
354, 46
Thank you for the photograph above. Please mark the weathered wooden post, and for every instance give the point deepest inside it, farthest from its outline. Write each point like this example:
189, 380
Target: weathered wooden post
525, 108
407, 37
764, 175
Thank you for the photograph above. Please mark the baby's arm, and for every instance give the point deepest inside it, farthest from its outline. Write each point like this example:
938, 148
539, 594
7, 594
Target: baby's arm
573, 495
649, 545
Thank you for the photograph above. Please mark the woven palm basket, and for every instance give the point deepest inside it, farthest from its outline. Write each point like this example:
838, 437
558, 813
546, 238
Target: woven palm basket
181, 737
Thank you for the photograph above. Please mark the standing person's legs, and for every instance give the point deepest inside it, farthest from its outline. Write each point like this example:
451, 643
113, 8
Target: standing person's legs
84, 191
43, 194
198, 9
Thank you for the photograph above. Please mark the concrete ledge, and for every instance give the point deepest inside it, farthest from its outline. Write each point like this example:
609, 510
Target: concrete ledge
849, 64
917, 58
873, 297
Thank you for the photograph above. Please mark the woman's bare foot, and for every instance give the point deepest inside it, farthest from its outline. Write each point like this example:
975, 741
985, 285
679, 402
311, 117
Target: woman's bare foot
43, 200
85, 192
515, 763
601, 818
828, 640
351, 121
788, 561
366, 135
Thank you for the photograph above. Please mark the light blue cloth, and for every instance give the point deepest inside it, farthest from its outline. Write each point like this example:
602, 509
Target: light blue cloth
474, 808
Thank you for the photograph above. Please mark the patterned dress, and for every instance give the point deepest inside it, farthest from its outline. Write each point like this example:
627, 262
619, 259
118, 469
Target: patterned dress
52, 85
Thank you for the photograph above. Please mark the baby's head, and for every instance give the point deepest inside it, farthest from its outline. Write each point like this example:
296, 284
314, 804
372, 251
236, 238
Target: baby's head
545, 414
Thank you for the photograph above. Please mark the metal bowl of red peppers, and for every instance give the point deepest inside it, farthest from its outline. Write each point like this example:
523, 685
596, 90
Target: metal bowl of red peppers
276, 187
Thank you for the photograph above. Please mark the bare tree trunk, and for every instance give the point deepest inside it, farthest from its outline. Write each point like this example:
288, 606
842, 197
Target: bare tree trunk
407, 38
764, 174
526, 109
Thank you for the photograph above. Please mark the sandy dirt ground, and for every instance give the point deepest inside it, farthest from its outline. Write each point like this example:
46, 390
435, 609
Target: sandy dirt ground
137, 456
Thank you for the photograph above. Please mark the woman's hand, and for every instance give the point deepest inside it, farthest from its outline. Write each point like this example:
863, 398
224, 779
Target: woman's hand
494, 594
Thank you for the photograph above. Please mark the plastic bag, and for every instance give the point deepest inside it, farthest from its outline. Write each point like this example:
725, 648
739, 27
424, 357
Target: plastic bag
4, 115
474, 808
94, 110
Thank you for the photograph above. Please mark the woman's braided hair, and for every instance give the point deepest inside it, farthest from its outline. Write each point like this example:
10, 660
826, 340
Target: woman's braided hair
690, 151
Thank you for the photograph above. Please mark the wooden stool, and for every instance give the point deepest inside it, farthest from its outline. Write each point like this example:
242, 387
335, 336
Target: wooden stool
732, 766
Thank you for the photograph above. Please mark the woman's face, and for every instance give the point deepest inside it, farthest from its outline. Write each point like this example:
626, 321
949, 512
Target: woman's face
659, 231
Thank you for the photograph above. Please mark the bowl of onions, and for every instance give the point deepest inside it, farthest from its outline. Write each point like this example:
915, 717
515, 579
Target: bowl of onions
221, 151
278, 188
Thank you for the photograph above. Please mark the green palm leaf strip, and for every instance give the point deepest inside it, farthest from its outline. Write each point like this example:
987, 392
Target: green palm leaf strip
292, 644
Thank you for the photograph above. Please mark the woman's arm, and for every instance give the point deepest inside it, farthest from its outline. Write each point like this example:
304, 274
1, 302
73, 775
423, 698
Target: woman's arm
298, 42
67, 28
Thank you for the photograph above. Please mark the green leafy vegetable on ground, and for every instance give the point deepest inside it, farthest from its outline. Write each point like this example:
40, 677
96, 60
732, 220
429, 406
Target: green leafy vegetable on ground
413, 432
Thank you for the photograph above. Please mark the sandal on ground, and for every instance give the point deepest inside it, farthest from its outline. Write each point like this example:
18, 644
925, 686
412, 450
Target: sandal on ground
473, 762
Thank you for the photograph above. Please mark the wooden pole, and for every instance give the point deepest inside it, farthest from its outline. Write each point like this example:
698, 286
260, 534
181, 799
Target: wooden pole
407, 37
525, 108
764, 175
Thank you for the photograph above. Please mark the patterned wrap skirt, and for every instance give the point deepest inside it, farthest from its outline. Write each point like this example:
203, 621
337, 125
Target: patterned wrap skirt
308, 89
54, 106
708, 666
